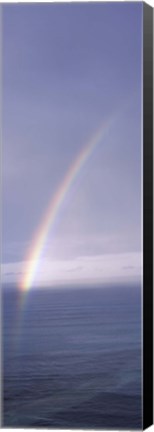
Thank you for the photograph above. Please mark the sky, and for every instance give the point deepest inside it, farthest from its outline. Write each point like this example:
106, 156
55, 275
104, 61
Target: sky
66, 69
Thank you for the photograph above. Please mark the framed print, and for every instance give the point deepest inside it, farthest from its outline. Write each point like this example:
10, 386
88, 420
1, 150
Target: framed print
77, 225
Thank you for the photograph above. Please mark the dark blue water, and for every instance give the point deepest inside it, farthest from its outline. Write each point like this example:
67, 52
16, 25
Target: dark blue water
72, 359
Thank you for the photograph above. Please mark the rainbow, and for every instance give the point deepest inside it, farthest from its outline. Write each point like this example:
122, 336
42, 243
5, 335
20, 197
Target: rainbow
38, 242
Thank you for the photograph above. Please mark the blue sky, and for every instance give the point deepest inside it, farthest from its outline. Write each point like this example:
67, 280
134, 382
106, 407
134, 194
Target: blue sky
66, 67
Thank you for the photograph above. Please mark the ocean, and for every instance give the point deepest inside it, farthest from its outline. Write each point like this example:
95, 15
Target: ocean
72, 358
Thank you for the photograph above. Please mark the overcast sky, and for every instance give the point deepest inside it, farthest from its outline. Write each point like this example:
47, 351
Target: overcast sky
66, 67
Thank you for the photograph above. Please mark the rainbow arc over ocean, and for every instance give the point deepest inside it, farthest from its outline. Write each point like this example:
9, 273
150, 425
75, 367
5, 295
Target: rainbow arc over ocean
38, 242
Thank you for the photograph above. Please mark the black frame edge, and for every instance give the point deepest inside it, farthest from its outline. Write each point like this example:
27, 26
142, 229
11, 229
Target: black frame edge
147, 215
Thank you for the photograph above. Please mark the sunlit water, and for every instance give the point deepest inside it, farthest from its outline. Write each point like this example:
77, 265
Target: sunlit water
72, 358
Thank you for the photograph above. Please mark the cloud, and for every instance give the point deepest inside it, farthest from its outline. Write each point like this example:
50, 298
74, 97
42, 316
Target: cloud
105, 268
13, 273
74, 269
131, 267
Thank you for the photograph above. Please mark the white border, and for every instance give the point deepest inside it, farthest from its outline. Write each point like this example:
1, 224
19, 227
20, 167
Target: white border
150, 2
